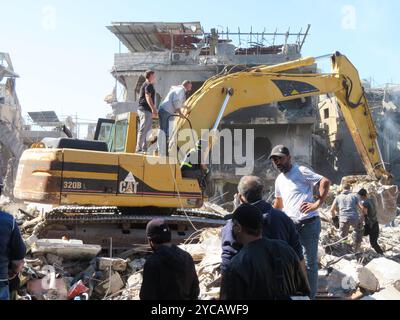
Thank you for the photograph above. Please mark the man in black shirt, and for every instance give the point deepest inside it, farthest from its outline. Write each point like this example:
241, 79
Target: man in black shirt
146, 110
169, 273
276, 224
263, 269
12, 252
371, 226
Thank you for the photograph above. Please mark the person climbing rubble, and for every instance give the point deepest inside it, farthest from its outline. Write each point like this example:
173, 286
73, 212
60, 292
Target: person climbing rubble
371, 225
348, 206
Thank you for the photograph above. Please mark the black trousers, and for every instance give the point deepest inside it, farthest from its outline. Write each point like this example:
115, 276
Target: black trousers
373, 233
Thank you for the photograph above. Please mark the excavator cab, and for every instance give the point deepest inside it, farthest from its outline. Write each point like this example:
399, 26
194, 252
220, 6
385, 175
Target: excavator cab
118, 133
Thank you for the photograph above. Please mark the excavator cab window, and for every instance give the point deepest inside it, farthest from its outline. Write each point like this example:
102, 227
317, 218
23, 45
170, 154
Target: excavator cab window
121, 130
113, 133
104, 130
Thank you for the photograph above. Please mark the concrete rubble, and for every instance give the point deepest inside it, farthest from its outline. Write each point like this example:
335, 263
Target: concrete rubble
57, 269
346, 274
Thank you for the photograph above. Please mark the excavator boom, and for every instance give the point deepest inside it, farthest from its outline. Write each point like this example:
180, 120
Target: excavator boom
262, 86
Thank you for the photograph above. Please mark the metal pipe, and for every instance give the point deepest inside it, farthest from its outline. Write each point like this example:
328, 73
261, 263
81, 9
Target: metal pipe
222, 110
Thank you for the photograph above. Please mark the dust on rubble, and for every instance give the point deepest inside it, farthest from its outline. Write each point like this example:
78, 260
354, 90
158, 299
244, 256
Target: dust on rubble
69, 269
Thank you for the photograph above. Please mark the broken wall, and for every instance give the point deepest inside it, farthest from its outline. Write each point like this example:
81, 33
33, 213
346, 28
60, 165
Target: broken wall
11, 124
335, 154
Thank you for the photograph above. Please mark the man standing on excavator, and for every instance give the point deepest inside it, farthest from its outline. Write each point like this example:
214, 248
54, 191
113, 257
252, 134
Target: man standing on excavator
294, 195
171, 106
147, 110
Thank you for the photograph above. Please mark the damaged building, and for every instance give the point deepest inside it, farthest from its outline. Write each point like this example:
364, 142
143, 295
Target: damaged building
335, 154
11, 123
184, 51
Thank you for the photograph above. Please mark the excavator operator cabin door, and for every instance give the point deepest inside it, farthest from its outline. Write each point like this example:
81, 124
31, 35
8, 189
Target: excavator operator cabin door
104, 131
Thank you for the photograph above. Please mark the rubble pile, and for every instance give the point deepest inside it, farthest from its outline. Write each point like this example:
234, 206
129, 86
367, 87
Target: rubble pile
346, 274
68, 269
63, 269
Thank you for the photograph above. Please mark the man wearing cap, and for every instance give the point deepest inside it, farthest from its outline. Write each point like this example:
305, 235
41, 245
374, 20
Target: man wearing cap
276, 224
264, 269
169, 273
294, 195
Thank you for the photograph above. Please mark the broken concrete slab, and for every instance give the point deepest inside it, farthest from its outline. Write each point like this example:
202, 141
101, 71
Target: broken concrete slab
117, 264
134, 280
367, 279
385, 270
68, 249
389, 293
110, 285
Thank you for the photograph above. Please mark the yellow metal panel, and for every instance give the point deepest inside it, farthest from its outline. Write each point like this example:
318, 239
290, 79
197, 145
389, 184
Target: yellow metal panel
130, 145
90, 175
130, 165
94, 157
159, 176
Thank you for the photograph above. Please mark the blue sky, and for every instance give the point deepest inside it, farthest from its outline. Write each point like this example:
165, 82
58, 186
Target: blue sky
64, 61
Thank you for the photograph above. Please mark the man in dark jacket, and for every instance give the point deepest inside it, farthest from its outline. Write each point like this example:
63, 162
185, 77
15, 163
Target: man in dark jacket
12, 252
276, 224
371, 226
169, 273
264, 269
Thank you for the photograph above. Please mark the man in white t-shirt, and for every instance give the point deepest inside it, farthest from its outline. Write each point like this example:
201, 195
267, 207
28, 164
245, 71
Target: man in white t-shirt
171, 105
294, 195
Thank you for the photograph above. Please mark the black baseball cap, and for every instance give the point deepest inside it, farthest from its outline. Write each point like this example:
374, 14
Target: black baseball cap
248, 216
279, 151
158, 231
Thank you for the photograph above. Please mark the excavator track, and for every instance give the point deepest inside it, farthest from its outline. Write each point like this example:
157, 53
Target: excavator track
122, 227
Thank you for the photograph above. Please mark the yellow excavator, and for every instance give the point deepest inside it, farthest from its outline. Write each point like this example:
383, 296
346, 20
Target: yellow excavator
102, 189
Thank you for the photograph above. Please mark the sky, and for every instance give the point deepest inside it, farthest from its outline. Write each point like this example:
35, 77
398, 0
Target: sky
64, 53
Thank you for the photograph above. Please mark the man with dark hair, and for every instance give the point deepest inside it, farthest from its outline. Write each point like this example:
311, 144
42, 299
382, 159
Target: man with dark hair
12, 252
275, 224
294, 195
172, 105
146, 111
264, 269
348, 205
371, 226
169, 273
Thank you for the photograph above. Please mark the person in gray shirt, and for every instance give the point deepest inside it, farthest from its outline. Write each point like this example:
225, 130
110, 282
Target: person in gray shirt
350, 214
170, 107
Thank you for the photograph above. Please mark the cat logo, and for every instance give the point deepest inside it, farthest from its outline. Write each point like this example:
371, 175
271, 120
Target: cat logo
129, 185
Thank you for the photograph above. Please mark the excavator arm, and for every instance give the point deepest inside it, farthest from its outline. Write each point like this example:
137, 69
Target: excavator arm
260, 86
